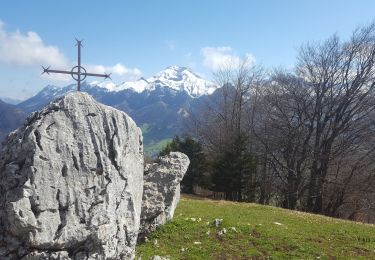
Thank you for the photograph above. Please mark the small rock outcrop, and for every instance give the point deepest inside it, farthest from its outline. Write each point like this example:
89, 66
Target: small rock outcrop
161, 191
156, 257
71, 182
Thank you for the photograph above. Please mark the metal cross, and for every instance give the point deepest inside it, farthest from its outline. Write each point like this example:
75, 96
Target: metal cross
77, 71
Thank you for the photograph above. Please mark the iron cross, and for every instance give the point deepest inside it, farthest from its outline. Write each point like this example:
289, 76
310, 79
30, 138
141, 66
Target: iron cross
78, 72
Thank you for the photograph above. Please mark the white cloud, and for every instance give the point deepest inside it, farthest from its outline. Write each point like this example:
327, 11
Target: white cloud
28, 50
116, 70
216, 58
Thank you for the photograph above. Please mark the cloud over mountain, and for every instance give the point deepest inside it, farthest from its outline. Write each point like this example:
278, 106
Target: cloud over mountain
117, 69
28, 49
216, 58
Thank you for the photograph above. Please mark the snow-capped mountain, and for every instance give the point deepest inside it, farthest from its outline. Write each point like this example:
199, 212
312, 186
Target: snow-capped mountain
159, 105
173, 77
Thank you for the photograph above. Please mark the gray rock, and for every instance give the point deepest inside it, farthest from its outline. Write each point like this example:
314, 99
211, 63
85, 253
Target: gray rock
161, 191
218, 222
71, 182
62, 255
156, 257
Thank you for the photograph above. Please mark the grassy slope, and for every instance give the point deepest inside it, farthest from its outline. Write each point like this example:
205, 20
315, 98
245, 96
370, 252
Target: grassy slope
257, 235
153, 148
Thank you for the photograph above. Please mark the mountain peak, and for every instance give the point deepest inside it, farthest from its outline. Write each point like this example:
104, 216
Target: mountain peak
173, 77
182, 79
176, 68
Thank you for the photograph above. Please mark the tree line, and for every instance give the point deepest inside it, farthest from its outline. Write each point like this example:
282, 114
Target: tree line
302, 138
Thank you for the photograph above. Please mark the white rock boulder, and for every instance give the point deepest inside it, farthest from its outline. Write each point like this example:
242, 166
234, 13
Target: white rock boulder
161, 191
71, 182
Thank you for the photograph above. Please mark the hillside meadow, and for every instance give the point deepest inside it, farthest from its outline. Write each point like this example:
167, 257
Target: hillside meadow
251, 231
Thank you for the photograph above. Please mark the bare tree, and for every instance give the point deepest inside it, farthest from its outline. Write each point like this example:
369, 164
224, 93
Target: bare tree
310, 130
320, 118
222, 124
341, 77
283, 129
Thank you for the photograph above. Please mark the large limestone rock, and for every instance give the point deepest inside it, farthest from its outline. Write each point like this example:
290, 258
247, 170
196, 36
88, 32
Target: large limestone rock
71, 182
161, 191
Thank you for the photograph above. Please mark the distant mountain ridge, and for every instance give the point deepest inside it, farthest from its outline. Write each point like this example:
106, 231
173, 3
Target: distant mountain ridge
159, 104
11, 117
12, 101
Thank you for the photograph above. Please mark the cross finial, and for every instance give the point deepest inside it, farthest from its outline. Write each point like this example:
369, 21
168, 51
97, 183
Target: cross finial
78, 72
79, 42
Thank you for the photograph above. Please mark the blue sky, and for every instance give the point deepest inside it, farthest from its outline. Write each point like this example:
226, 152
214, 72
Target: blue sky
139, 38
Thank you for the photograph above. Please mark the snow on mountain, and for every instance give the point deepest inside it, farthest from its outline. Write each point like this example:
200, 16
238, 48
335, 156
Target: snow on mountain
138, 86
180, 78
174, 77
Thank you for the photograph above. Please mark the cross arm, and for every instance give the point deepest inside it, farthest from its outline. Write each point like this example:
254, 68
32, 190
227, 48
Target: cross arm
105, 75
48, 71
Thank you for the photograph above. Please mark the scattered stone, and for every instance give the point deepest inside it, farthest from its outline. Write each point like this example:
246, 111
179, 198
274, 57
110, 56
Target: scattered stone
161, 191
277, 223
156, 257
218, 222
197, 243
222, 232
71, 183
233, 229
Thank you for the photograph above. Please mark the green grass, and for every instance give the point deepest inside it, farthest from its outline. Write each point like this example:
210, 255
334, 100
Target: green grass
154, 148
256, 232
